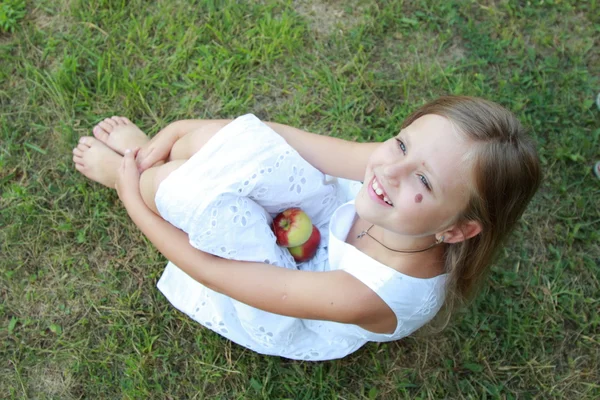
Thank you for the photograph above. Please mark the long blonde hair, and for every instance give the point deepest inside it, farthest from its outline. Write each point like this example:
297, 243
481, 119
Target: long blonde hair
507, 175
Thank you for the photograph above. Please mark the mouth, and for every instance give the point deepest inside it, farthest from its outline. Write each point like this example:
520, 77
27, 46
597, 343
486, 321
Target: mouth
377, 191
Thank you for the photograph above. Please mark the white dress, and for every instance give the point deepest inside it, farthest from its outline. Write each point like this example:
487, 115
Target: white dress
225, 197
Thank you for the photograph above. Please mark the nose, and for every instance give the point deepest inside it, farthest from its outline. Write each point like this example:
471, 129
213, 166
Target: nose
392, 173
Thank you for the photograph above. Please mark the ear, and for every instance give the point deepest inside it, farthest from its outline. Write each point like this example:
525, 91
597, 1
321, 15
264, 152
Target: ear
461, 232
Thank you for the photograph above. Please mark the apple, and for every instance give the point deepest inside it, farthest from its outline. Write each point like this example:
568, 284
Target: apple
292, 227
307, 250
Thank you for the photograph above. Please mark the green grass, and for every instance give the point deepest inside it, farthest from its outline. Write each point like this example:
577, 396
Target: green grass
80, 316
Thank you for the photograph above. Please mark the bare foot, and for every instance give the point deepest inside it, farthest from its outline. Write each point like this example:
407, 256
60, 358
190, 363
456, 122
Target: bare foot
96, 161
120, 134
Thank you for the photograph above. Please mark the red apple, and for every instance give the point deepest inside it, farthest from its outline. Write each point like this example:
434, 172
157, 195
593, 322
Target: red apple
292, 227
306, 251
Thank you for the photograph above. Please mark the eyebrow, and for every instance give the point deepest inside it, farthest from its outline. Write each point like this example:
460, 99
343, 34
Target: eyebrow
436, 182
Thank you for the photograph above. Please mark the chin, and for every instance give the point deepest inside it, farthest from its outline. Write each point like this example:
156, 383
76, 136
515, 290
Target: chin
371, 213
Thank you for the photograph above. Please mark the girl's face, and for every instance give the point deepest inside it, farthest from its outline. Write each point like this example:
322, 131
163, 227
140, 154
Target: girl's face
425, 172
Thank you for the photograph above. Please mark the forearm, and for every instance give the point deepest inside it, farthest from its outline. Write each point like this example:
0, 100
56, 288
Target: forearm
170, 241
300, 294
218, 274
332, 156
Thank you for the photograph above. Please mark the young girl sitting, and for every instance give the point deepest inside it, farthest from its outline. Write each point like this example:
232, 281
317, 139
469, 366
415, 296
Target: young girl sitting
437, 201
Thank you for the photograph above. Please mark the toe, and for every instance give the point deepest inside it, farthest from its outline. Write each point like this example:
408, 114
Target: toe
124, 121
79, 167
90, 141
100, 133
116, 120
84, 142
110, 122
106, 126
78, 161
77, 152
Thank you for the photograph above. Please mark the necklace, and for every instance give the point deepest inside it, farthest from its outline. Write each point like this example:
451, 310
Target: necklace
363, 233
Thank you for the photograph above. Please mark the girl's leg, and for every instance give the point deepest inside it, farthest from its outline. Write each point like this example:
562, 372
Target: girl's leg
185, 147
152, 178
119, 133
188, 145
97, 161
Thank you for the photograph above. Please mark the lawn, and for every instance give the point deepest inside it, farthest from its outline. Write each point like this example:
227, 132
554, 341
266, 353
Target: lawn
80, 316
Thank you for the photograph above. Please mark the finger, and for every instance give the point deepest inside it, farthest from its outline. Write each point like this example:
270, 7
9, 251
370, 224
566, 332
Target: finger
140, 166
136, 151
130, 157
144, 165
123, 161
145, 160
127, 156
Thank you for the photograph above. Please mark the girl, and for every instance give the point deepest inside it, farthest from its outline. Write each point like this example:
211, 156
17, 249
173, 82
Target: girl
437, 201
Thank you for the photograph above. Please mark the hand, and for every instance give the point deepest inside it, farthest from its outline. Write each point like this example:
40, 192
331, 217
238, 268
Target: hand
128, 178
157, 149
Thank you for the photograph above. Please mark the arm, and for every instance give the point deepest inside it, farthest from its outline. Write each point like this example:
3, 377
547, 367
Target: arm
332, 156
333, 296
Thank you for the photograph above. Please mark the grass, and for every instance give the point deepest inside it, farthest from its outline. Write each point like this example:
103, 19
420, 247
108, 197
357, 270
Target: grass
80, 316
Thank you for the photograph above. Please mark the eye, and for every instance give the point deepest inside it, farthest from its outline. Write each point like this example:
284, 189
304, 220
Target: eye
425, 182
422, 178
401, 146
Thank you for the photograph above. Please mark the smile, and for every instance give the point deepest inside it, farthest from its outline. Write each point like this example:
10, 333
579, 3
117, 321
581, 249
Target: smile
379, 193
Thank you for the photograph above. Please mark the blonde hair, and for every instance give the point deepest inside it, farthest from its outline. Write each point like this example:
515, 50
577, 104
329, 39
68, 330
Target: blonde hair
507, 175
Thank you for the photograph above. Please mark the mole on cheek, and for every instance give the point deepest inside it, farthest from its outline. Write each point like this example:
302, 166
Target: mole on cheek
418, 198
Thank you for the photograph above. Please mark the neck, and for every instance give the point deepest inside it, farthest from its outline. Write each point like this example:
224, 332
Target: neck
403, 244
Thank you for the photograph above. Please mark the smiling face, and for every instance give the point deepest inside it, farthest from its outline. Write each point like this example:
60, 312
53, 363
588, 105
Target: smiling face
425, 172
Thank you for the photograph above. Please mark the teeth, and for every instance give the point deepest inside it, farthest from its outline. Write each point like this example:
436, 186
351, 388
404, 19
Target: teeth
379, 192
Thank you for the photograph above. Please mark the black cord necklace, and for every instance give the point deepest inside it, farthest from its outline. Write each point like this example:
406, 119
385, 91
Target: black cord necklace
363, 233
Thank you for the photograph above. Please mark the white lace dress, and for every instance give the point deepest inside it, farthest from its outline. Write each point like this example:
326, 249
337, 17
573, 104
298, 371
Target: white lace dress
225, 197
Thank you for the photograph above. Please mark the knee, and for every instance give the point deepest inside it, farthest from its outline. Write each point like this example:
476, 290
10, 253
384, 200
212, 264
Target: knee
164, 171
151, 179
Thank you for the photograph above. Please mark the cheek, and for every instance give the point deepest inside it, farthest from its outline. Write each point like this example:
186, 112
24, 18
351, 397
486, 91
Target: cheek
418, 198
